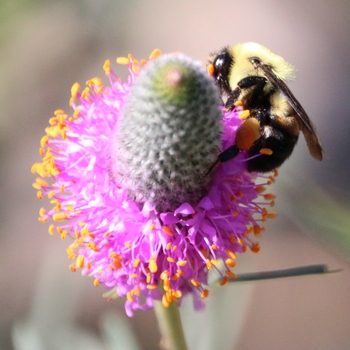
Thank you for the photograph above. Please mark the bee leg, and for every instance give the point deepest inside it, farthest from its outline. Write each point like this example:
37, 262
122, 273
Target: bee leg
232, 98
228, 154
224, 156
245, 83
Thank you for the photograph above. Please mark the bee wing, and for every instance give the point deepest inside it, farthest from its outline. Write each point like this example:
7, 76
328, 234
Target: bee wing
305, 124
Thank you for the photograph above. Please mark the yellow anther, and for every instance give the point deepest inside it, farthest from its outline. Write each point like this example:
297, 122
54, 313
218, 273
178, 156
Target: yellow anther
51, 229
269, 196
44, 141
180, 272
123, 60
85, 93
70, 208
177, 294
166, 285
72, 256
39, 195
85, 232
74, 90
269, 216
80, 261
51, 194
72, 268
230, 263
170, 259
230, 254
181, 263
244, 115
41, 182
224, 281
53, 121
167, 230
60, 216
129, 296
231, 274
195, 283
205, 293
92, 246
164, 275
255, 248
272, 179
151, 286
42, 212
165, 301
266, 151
96, 282
249, 231
58, 112
238, 103
107, 67
154, 54
209, 264
94, 82
136, 262
42, 219
168, 246
127, 245
215, 262
153, 266
259, 189
257, 230
210, 69
117, 262
175, 277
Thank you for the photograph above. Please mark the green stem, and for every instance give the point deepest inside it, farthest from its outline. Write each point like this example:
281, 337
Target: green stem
170, 325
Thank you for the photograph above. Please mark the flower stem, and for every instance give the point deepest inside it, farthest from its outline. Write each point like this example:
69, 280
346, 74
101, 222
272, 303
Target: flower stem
170, 325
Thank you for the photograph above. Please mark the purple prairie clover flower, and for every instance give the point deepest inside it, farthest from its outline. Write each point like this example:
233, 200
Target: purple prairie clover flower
129, 184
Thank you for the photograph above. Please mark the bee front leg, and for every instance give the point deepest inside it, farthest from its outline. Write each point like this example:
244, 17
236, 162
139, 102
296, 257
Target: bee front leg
254, 80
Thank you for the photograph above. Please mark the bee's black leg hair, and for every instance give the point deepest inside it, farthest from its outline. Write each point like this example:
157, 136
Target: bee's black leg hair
245, 83
226, 155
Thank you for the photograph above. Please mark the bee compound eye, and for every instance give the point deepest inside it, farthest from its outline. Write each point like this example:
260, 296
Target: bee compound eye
255, 62
222, 64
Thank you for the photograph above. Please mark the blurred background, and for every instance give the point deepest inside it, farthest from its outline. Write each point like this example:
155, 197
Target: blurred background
46, 46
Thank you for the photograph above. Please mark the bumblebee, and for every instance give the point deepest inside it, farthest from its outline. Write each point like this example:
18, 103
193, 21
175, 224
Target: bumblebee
251, 75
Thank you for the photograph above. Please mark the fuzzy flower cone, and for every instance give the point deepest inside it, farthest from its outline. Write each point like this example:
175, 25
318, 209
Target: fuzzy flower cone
129, 183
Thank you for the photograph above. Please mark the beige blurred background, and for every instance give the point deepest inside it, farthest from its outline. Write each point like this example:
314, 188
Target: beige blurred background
46, 46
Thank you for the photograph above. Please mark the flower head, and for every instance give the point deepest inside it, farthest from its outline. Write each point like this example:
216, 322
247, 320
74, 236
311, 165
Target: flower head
130, 183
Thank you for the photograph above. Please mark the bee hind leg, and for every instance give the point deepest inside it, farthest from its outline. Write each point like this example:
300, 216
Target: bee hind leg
225, 156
